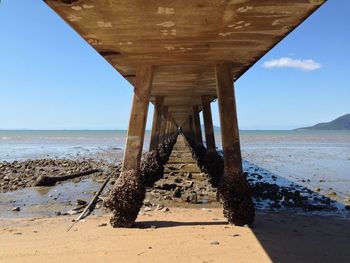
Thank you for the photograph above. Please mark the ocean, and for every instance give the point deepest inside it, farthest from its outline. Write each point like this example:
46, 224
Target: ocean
316, 159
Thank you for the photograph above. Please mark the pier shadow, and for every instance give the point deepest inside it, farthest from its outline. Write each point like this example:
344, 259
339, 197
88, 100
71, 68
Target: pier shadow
166, 224
312, 228
287, 237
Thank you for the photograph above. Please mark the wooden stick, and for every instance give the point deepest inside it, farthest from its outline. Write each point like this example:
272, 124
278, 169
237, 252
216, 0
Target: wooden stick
90, 205
45, 180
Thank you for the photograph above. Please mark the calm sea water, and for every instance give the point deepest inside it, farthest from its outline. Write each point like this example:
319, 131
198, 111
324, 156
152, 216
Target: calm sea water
295, 155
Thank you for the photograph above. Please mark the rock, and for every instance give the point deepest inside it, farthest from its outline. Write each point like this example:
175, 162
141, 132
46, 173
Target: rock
159, 207
317, 190
168, 187
347, 207
235, 235
102, 224
147, 209
178, 180
189, 175
167, 197
214, 243
192, 198
189, 184
58, 213
165, 209
72, 212
177, 192
147, 203
16, 209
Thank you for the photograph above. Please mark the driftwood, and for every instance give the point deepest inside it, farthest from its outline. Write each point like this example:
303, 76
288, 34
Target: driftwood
45, 180
89, 208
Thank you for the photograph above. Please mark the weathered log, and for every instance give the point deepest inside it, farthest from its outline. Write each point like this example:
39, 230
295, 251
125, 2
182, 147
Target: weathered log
45, 180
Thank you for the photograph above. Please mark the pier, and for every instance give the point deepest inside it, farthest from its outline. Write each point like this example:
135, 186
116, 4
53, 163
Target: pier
181, 56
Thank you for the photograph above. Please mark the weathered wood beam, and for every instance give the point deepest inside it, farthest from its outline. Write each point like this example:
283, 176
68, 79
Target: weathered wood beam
163, 124
190, 121
208, 124
138, 118
228, 118
234, 190
197, 125
157, 115
167, 126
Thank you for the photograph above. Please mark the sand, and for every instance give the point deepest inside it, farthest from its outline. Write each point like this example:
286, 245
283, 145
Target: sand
180, 235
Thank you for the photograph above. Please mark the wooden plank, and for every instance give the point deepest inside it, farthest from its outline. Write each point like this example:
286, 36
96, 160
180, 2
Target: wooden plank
138, 118
157, 115
208, 124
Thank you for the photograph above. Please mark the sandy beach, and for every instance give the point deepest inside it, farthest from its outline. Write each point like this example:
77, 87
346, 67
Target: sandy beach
179, 235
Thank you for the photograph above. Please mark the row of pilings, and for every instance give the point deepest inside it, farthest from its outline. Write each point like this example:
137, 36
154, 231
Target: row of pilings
126, 198
128, 193
233, 189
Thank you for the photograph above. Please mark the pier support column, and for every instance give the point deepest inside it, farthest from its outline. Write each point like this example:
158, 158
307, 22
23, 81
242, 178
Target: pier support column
138, 118
234, 190
197, 125
208, 124
190, 123
167, 126
126, 197
163, 124
157, 115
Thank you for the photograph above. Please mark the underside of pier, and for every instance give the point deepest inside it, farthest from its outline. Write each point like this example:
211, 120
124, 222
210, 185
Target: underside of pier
181, 56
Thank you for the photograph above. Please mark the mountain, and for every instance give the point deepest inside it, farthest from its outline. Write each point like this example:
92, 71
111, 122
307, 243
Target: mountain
341, 123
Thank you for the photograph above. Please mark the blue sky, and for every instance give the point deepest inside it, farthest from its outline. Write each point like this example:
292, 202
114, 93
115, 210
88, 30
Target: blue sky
51, 79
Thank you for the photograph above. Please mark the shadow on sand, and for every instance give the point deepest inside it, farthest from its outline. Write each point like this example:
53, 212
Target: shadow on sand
314, 228
302, 227
165, 224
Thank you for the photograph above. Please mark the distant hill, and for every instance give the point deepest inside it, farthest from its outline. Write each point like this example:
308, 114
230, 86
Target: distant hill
341, 123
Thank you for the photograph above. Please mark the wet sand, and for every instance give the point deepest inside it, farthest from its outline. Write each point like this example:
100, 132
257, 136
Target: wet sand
180, 235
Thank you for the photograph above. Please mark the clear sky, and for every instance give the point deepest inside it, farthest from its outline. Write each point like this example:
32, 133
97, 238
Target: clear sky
51, 79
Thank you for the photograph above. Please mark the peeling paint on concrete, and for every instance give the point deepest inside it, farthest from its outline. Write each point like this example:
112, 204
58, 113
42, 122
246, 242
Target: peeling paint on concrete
94, 41
88, 6
164, 32
125, 43
104, 24
276, 22
316, 2
77, 8
167, 24
165, 11
225, 34
244, 9
74, 18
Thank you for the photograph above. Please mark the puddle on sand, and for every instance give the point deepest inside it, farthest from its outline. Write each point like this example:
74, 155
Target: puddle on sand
46, 201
